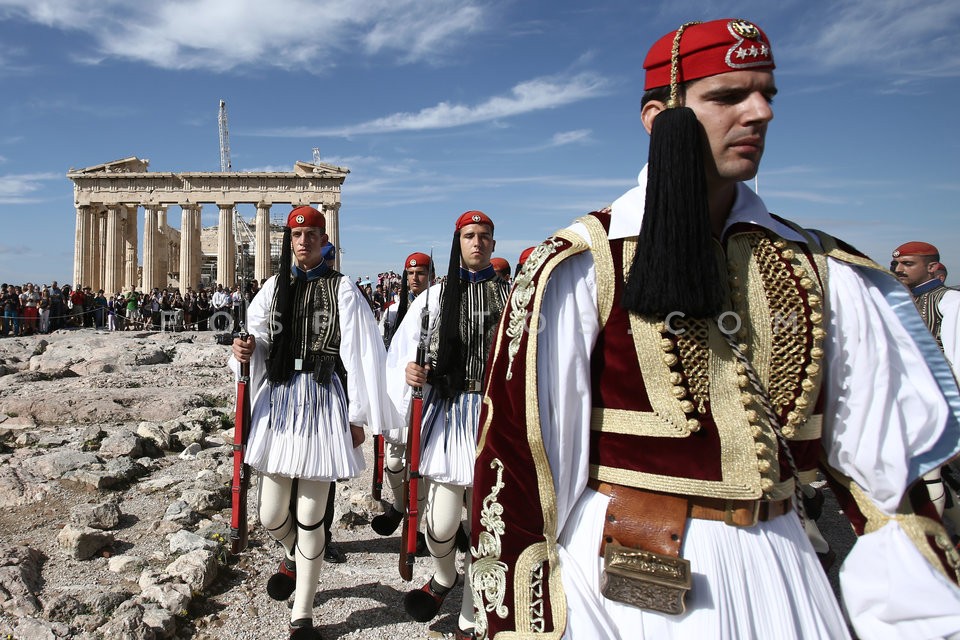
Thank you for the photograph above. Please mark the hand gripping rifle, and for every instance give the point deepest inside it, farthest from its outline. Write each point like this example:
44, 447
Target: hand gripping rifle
241, 431
411, 486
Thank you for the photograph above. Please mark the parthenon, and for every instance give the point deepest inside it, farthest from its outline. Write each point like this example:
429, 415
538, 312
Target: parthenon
108, 196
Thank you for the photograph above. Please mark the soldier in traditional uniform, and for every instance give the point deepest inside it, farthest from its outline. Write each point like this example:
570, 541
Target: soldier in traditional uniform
670, 369
522, 260
502, 267
416, 278
464, 312
317, 372
916, 265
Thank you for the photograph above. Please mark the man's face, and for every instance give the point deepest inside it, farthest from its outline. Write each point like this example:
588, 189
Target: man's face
913, 270
476, 246
417, 279
308, 246
734, 110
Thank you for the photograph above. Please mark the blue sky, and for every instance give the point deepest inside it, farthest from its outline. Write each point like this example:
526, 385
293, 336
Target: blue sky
525, 109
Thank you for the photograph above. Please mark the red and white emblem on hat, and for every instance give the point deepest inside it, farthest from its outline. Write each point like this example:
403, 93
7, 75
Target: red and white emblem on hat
753, 53
413, 262
300, 219
473, 217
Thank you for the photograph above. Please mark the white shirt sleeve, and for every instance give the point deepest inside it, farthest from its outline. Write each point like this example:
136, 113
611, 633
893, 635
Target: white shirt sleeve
950, 329
569, 325
883, 406
403, 350
363, 356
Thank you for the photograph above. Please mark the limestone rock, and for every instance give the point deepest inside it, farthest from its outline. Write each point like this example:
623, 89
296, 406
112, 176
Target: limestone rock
105, 515
20, 580
198, 569
82, 543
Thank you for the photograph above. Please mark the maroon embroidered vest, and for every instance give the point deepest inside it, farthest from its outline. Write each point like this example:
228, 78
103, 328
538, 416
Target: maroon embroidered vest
673, 410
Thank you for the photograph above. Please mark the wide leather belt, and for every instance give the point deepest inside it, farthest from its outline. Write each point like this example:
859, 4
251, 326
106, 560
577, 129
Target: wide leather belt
640, 513
643, 532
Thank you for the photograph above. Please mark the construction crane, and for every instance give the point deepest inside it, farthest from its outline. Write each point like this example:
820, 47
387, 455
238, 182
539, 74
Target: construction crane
224, 139
242, 234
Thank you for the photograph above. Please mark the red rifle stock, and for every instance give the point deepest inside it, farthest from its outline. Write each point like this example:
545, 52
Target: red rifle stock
408, 536
241, 471
376, 490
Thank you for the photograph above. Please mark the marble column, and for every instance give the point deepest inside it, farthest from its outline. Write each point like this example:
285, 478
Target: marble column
131, 271
262, 269
226, 247
150, 274
197, 249
81, 248
332, 213
113, 257
163, 250
102, 250
189, 247
92, 266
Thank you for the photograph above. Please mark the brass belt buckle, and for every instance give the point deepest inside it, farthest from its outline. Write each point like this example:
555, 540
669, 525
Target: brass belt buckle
729, 515
645, 579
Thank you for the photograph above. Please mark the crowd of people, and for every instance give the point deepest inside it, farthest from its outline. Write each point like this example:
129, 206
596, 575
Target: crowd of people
40, 309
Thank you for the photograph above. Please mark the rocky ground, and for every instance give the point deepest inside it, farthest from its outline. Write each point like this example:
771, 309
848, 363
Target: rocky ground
115, 504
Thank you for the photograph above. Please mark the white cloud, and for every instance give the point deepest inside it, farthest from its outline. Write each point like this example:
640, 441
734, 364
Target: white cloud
897, 37
225, 34
24, 188
525, 97
560, 139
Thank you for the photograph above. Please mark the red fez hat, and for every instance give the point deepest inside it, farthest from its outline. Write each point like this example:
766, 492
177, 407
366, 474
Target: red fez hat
524, 255
473, 217
500, 264
417, 260
306, 216
915, 249
708, 49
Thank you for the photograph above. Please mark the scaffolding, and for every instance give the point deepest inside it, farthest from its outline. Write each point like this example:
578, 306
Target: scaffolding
243, 235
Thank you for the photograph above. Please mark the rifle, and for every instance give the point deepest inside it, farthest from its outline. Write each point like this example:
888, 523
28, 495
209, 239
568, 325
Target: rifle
411, 486
241, 431
378, 457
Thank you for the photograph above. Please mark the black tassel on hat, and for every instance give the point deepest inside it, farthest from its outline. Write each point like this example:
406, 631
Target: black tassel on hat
674, 269
450, 372
403, 301
279, 362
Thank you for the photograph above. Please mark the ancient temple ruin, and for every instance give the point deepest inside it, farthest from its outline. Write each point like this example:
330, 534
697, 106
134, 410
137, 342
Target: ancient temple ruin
108, 197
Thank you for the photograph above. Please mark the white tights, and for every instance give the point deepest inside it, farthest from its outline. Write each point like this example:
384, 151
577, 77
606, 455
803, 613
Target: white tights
445, 504
300, 532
